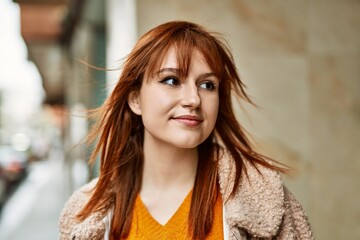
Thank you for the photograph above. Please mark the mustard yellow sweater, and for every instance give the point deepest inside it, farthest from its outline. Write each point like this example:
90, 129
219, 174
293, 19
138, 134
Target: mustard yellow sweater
145, 227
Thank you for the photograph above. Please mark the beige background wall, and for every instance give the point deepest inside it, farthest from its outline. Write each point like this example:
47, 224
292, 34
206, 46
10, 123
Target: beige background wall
301, 63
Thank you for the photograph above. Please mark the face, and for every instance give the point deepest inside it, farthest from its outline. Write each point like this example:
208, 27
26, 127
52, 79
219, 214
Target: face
180, 112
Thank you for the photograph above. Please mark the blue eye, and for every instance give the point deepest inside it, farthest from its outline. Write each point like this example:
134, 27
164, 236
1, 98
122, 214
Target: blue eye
170, 81
207, 85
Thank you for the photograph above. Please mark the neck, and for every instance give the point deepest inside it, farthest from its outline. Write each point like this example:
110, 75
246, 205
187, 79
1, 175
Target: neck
168, 167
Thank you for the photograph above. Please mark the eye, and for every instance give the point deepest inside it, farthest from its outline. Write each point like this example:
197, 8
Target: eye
209, 85
170, 81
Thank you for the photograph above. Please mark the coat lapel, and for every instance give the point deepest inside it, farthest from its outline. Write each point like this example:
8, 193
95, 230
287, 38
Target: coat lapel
258, 205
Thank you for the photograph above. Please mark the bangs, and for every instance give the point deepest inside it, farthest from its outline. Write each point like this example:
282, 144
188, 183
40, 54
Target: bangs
185, 44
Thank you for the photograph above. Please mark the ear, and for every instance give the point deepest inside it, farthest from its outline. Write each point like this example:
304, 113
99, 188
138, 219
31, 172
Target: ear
134, 102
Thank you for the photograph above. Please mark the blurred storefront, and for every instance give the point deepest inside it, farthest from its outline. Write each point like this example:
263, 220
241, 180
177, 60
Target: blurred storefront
72, 42
65, 39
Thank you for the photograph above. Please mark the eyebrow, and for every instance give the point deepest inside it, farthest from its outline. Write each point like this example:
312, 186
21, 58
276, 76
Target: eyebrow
176, 70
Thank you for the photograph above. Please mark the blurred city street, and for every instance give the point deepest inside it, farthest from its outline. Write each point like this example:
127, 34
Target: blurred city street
61, 59
32, 212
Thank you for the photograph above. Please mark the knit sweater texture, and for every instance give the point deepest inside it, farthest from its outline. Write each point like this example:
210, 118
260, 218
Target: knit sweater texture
145, 227
262, 208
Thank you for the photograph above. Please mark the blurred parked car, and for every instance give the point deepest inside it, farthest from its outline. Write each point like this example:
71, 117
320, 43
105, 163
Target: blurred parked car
13, 168
13, 164
2, 193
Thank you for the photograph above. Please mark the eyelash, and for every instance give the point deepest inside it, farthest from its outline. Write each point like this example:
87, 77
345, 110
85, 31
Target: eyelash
166, 80
212, 85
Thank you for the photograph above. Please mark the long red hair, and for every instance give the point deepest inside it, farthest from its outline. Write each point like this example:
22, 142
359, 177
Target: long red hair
119, 132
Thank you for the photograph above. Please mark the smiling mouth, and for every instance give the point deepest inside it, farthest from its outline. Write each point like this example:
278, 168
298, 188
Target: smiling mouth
188, 120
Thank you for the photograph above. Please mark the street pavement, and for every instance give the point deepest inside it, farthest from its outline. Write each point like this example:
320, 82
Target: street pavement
32, 212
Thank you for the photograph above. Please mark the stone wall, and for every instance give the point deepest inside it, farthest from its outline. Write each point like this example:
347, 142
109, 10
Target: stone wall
301, 63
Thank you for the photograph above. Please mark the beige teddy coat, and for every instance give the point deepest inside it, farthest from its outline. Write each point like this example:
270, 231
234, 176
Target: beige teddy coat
261, 209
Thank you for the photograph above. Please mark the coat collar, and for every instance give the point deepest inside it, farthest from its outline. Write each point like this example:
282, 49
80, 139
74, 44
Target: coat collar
258, 205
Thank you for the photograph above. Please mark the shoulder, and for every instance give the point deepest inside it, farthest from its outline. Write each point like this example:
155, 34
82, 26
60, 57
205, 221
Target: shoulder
257, 180
68, 221
262, 206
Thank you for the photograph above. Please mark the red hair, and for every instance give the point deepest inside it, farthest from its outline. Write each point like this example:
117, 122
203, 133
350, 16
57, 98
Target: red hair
119, 131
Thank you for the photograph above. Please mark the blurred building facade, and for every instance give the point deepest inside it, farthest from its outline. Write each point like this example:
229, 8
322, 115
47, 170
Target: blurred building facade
66, 39
299, 60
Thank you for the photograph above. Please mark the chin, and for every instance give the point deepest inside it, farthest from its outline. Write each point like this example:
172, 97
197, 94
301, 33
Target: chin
188, 144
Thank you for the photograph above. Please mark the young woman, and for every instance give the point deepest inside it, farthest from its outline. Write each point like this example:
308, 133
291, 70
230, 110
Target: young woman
175, 163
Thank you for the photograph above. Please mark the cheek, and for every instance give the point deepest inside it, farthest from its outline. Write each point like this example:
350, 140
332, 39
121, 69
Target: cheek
212, 109
215, 113
155, 105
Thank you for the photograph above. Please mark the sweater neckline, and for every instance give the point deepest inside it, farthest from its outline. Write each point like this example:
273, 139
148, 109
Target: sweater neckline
150, 227
184, 207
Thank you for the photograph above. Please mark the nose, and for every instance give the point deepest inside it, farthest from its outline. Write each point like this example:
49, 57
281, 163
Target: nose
190, 97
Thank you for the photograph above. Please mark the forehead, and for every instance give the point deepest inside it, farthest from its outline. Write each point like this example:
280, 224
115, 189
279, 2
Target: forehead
170, 59
173, 59
181, 55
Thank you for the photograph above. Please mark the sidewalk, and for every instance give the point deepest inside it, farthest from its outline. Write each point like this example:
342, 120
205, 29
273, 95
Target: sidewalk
33, 211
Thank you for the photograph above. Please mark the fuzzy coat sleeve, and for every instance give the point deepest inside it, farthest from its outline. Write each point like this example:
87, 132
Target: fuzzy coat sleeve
262, 207
69, 225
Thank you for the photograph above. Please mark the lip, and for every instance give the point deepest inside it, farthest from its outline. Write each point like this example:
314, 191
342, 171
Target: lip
188, 120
